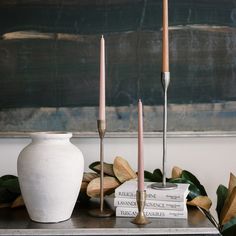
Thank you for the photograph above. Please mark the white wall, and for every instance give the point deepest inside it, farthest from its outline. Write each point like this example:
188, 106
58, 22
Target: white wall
211, 159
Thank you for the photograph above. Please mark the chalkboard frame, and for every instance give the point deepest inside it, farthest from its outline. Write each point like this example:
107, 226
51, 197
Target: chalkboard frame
213, 111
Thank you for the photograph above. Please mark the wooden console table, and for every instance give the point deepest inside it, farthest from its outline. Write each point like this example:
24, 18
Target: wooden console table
17, 222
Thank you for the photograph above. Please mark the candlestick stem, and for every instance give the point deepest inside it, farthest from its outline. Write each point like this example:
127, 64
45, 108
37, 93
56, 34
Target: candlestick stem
165, 79
141, 219
101, 212
101, 174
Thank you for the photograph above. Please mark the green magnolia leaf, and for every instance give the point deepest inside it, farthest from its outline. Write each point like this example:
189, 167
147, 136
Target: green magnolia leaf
149, 176
193, 190
93, 165
6, 196
12, 185
221, 192
7, 177
229, 229
9, 188
189, 176
157, 174
107, 168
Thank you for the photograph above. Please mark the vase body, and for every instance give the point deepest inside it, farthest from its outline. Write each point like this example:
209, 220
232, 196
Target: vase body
50, 171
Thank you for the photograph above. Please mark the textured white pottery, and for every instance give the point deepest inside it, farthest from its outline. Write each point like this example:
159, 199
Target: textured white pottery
50, 171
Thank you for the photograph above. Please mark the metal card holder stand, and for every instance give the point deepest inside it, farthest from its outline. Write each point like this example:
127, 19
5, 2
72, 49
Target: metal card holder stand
101, 212
165, 79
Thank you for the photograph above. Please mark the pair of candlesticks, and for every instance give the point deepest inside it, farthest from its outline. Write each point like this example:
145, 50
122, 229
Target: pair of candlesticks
140, 195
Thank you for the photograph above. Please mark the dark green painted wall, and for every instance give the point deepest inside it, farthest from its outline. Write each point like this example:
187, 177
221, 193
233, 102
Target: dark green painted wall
66, 71
56, 63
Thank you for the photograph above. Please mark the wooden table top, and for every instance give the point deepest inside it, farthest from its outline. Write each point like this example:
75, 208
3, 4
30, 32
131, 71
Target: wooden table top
17, 222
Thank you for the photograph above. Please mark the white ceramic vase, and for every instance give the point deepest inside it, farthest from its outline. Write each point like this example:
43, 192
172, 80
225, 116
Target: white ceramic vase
50, 171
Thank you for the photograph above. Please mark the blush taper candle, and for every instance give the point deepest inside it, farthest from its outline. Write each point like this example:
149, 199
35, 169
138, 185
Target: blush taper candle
140, 148
102, 95
165, 38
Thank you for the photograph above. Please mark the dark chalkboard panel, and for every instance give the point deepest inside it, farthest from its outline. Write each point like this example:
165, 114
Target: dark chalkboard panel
49, 64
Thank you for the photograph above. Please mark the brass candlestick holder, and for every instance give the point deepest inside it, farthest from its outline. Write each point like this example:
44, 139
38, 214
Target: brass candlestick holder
101, 212
140, 219
165, 79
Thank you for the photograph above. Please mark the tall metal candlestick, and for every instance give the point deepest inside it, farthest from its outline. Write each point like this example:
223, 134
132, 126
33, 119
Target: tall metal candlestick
101, 212
165, 79
140, 218
101, 125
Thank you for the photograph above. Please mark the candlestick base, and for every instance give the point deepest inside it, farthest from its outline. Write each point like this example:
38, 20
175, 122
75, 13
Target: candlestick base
166, 186
101, 214
141, 219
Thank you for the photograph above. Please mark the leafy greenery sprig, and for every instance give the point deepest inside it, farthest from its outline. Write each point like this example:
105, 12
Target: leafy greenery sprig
197, 194
9, 190
226, 207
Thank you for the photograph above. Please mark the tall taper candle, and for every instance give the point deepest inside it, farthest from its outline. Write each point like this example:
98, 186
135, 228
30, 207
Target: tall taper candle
102, 96
165, 38
140, 148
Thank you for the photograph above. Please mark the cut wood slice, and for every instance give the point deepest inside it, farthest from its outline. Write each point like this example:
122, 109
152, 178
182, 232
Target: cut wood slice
176, 172
107, 168
229, 208
122, 170
201, 201
19, 201
110, 183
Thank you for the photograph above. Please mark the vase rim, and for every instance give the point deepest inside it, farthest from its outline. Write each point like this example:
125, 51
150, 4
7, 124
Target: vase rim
51, 134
